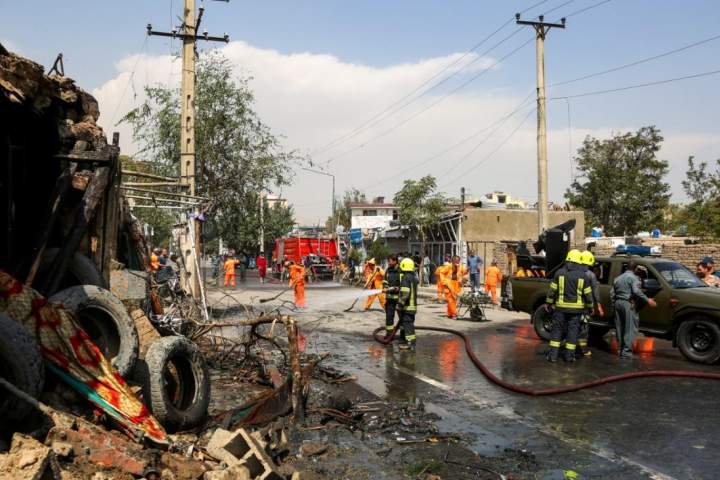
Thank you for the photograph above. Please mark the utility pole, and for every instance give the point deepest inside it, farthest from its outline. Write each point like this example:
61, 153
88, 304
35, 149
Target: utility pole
261, 241
541, 30
189, 35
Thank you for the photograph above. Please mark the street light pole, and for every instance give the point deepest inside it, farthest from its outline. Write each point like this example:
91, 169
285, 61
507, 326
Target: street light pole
334, 217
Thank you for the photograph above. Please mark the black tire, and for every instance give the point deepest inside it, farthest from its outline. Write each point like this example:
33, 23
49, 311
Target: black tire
106, 320
176, 383
542, 323
20, 364
81, 271
699, 340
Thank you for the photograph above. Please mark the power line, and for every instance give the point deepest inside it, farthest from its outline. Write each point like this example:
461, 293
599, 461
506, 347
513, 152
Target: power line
130, 79
382, 113
639, 85
637, 62
489, 155
557, 8
582, 10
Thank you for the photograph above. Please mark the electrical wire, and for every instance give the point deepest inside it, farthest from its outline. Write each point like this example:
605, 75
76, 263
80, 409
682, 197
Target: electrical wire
130, 78
583, 10
636, 62
639, 85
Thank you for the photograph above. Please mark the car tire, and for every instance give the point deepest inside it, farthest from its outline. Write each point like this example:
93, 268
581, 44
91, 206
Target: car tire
20, 364
176, 383
699, 340
106, 321
81, 271
543, 323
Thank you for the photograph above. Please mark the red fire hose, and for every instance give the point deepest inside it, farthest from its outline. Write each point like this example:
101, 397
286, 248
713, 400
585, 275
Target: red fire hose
549, 391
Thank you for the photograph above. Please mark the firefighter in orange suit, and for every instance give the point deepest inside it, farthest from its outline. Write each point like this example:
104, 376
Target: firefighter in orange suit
229, 268
440, 272
493, 277
452, 283
374, 276
155, 260
297, 281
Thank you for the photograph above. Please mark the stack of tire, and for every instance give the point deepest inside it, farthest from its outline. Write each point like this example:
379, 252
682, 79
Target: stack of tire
173, 375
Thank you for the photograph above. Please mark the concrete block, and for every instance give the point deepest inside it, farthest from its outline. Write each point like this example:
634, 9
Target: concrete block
27, 459
240, 448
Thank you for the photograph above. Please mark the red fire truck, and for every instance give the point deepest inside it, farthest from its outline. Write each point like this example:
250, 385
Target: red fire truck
318, 254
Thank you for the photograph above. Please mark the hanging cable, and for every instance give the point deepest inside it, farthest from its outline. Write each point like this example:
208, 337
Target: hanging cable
130, 78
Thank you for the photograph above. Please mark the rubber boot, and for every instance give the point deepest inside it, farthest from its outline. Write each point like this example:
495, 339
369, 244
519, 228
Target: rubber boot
408, 346
569, 356
551, 355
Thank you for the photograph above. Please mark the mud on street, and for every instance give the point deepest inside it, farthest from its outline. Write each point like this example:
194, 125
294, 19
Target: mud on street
647, 428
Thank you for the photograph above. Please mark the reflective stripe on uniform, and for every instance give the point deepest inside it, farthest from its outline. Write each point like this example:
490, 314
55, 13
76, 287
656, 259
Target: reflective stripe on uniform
410, 337
578, 303
569, 346
389, 328
553, 289
554, 343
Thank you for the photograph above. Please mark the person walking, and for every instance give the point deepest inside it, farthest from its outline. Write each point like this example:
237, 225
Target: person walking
474, 262
493, 277
440, 272
627, 298
229, 268
391, 288
374, 281
569, 295
453, 285
297, 282
407, 304
261, 263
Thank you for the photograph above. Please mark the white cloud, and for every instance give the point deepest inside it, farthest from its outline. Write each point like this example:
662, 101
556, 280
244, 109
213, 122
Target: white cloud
312, 99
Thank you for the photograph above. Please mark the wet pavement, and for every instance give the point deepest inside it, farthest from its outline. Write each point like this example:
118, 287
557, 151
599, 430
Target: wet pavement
646, 428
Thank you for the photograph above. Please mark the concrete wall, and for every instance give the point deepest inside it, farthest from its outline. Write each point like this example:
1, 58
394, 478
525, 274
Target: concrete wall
493, 225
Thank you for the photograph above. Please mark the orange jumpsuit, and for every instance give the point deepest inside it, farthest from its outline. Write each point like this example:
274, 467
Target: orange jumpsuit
154, 262
374, 280
453, 287
440, 273
493, 276
229, 267
297, 280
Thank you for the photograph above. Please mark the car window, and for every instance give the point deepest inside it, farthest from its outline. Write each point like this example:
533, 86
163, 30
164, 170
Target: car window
602, 272
678, 276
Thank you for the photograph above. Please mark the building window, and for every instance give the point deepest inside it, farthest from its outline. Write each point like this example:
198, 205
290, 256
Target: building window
369, 213
396, 215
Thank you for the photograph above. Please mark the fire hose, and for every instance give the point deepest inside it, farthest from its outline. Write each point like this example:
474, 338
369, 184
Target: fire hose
547, 391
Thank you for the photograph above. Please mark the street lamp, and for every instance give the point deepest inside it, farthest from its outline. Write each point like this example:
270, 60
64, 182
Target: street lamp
319, 172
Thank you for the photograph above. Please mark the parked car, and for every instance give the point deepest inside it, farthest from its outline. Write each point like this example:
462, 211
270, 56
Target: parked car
688, 312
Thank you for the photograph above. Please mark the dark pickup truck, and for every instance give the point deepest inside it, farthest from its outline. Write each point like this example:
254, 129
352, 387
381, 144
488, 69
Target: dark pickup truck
688, 312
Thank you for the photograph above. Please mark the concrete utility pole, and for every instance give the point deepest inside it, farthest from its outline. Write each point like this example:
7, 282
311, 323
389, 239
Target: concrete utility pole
541, 29
261, 241
189, 34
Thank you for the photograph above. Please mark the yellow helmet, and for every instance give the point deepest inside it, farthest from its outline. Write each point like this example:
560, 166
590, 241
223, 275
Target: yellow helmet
574, 256
407, 265
587, 258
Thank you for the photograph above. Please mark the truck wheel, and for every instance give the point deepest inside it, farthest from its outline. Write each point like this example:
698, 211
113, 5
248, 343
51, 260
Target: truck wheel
106, 320
176, 383
699, 340
20, 364
543, 323
81, 271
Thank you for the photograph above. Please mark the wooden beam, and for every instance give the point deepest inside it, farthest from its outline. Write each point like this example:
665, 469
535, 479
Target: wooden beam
160, 192
99, 156
150, 175
160, 200
154, 184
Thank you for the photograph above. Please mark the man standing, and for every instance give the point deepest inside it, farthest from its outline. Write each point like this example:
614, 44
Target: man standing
243, 266
570, 294
391, 288
374, 280
493, 277
297, 282
407, 304
229, 268
474, 262
626, 294
588, 261
440, 272
261, 263
453, 285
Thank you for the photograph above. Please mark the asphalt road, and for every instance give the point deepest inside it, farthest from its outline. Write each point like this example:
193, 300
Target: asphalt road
664, 428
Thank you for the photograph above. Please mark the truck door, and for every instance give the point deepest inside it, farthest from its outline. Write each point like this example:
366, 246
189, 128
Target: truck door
602, 270
658, 319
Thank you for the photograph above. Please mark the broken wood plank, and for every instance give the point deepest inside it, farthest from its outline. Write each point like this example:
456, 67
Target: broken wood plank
135, 173
94, 156
160, 192
155, 184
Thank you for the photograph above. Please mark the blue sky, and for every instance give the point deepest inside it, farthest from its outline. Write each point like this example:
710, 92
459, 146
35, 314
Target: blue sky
95, 36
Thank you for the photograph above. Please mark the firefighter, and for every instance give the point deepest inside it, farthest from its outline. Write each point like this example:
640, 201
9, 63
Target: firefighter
374, 280
588, 261
453, 285
407, 303
569, 295
440, 273
391, 288
229, 268
297, 282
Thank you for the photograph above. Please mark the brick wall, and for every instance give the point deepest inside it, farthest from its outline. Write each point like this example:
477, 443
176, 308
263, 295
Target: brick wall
688, 255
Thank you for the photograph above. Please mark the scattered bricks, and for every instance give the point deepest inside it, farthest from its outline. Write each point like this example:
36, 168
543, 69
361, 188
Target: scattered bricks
236, 472
62, 449
28, 459
146, 331
184, 469
107, 449
240, 448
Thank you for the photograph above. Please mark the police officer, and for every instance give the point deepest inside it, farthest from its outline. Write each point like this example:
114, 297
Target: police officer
570, 294
588, 261
407, 303
626, 294
391, 287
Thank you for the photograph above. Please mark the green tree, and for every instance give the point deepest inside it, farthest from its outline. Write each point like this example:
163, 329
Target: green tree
420, 206
378, 250
237, 155
342, 208
620, 182
702, 187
